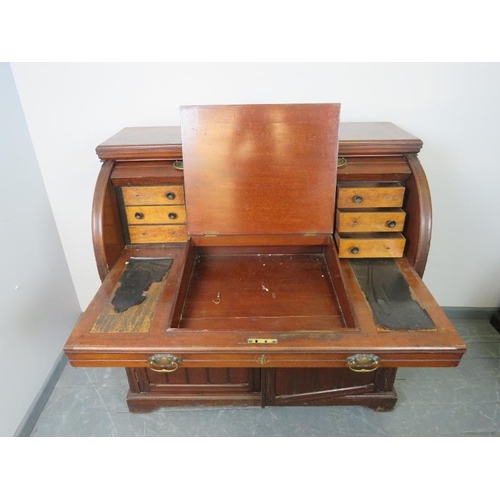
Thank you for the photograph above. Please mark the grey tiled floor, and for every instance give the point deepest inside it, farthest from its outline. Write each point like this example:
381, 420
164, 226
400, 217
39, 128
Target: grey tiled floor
462, 401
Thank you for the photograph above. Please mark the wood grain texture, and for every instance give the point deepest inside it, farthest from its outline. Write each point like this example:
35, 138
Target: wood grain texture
260, 169
146, 173
264, 292
418, 206
373, 245
166, 233
107, 235
142, 142
136, 319
156, 214
371, 168
370, 194
355, 138
370, 220
329, 387
153, 195
374, 169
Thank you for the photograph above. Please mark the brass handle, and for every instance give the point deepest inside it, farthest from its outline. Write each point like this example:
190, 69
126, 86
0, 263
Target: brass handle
363, 362
170, 195
342, 162
357, 199
139, 215
178, 165
354, 250
391, 223
163, 363
172, 215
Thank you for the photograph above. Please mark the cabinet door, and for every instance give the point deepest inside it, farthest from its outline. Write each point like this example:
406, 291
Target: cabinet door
193, 386
328, 386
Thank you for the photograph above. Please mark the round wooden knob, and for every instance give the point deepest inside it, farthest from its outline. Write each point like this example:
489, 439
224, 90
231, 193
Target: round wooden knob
139, 215
354, 250
170, 195
357, 199
391, 223
172, 215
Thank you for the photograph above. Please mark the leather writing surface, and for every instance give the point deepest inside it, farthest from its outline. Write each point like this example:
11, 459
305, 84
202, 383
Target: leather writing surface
391, 300
260, 169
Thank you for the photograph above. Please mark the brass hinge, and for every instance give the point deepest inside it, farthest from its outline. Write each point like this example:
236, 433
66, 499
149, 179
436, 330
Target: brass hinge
310, 234
210, 235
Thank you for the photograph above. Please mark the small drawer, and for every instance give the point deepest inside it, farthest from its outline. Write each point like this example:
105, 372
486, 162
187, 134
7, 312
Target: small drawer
156, 214
370, 245
158, 234
370, 220
374, 194
153, 195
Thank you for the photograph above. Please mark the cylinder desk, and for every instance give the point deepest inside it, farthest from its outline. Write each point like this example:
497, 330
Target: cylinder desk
262, 255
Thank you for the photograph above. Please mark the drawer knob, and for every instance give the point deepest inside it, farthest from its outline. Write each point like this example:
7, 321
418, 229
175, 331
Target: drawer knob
170, 195
357, 199
172, 215
139, 215
163, 363
363, 362
391, 223
354, 250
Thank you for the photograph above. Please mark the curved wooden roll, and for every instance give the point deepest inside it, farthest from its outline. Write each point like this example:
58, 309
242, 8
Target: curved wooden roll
418, 207
107, 236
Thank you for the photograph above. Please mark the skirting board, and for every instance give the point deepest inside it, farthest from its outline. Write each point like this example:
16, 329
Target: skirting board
469, 312
36, 408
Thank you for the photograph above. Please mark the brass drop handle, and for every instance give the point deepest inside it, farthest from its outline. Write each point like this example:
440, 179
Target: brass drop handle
357, 199
139, 215
178, 165
342, 162
363, 362
172, 215
170, 195
164, 363
354, 250
391, 223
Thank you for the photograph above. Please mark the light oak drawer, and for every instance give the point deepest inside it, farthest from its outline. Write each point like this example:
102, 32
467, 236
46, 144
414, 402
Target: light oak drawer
370, 220
156, 214
370, 245
370, 195
158, 234
153, 195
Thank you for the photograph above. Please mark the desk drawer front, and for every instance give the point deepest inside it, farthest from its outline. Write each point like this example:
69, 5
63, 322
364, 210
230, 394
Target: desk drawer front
162, 214
158, 234
360, 221
363, 245
370, 195
153, 195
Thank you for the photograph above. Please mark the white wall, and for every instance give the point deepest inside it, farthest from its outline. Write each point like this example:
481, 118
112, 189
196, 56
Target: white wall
37, 299
453, 108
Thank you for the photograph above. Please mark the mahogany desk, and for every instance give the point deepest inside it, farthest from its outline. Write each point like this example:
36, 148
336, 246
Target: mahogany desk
324, 317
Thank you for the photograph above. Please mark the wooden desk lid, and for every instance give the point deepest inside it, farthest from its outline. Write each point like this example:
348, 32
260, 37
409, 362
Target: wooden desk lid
260, 169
